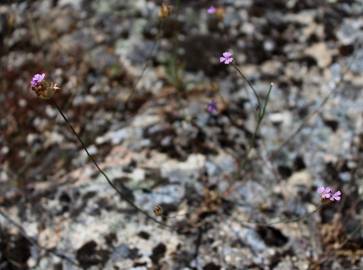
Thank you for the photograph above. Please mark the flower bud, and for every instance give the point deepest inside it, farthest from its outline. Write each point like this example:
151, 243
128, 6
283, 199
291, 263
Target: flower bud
158, 211
219, 13
165, 11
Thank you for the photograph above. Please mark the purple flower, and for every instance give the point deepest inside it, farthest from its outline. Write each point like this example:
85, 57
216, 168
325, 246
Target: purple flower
336, 196
212, 10
212, 106
37, 79
43, 88
325, 192
226, 58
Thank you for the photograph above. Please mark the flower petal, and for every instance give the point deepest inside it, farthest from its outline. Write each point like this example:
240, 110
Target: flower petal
211, 10
227, 54
228, 61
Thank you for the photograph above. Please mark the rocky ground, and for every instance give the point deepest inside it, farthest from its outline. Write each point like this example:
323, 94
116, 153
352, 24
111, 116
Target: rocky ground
136, 88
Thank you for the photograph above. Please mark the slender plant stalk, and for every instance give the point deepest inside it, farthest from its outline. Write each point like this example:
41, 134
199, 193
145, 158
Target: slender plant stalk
198, 243
282, 220
260, 115
249, 84
124, 191
261, 111
35, 242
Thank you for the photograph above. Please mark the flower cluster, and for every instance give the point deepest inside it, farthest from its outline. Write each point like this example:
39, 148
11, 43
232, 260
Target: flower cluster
327, 193
42, 87
37, 79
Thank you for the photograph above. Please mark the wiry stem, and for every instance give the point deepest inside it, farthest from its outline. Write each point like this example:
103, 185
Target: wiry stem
260, 116
249, 84
248, 224
124, 191
35, 242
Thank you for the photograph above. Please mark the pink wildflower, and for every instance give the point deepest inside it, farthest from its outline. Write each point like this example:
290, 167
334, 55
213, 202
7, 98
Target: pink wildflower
43, 88
226, 58
212, 10
327, 193
336, 196
37, 79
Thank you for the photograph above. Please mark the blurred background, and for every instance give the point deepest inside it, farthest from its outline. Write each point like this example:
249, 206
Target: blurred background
136, 83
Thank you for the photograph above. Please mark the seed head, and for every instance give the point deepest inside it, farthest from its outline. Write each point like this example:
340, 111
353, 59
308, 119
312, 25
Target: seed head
165, 10
220, 13
158, 210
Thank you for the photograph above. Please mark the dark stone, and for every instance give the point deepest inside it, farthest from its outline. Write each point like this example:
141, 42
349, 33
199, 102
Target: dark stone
272, 236
144, 235
284, 171
332, 124
111, 238
211, 266
64, 197
299, 163
16, 252
158, 253
140, 264
89, 255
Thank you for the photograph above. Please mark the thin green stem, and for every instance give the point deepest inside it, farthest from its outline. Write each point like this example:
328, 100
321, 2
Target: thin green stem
249, 84
283, 220
260, 115
124, 191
